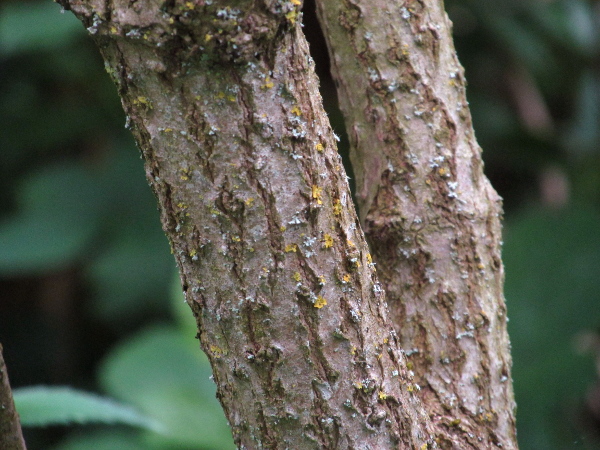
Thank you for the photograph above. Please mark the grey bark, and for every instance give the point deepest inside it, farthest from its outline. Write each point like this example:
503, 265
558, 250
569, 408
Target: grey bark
431, 217
223, 102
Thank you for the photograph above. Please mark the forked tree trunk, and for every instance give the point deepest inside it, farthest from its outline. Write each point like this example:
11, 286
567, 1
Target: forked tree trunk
430, 216
223, 102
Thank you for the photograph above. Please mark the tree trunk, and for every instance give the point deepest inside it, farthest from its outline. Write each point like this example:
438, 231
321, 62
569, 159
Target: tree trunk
431, 217
223, 102
11, 436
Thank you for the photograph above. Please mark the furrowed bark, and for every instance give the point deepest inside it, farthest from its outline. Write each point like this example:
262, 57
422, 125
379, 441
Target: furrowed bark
430, 215
11, 435
223, 102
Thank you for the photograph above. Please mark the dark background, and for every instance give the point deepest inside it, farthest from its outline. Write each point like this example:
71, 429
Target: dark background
88, 289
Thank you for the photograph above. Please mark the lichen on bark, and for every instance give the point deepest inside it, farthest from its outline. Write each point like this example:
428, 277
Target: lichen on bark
430, 215
223, 102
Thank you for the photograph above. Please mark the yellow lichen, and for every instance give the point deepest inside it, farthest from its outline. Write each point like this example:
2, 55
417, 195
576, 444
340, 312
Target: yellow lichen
193, 253
346, 278
249, 201
216, 351
319, 147
369, 258
295, 110
291, 248
327, 241
337, 207
297, 276
143, 101
292, 16
268, 84
382, 395
236, 239
322, 280
317, 194
486, 417
320, 302
282, 228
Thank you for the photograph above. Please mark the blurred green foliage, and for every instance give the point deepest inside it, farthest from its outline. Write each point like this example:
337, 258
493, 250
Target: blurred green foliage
49, 405
73, 200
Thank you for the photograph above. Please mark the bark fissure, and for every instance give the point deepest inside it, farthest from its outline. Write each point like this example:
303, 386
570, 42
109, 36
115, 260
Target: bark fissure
223, 101
427, 210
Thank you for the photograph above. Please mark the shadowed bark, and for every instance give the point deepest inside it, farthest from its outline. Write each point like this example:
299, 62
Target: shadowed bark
11, 436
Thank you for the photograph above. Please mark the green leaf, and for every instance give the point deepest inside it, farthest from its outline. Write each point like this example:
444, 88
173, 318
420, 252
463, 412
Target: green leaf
132, 272
582, 135
122, 439
160, 373
182, 312
552, 261
44, 405
26, 26
60, 211
571, 23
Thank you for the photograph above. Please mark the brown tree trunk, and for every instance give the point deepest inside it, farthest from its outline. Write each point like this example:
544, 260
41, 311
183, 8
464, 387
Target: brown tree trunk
11, 436
429, 214
223, 102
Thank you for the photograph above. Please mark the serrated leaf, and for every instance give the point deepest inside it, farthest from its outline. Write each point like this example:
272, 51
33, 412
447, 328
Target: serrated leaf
46, 405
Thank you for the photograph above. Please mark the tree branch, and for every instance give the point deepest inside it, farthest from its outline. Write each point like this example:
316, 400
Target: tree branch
11, 435
429, 213
223, 102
